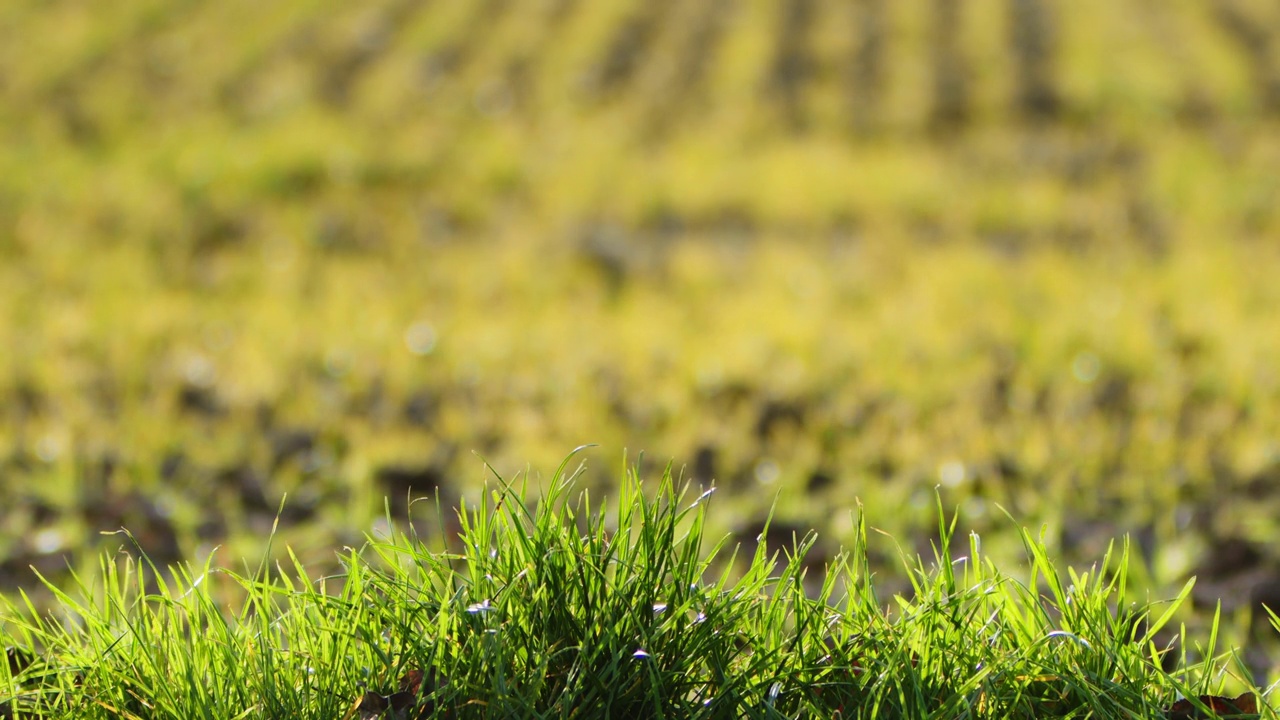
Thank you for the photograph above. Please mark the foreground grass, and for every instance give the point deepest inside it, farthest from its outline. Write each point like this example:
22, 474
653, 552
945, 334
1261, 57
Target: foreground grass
568, 609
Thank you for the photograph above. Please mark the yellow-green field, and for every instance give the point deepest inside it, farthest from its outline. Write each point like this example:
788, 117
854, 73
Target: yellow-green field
821, 252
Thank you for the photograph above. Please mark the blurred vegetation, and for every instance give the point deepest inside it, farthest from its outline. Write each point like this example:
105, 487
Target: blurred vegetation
818, 251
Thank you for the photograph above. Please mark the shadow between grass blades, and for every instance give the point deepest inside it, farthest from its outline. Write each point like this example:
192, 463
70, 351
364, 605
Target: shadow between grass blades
566, 608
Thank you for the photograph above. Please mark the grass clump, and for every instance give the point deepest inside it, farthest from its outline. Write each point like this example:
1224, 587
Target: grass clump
561, 608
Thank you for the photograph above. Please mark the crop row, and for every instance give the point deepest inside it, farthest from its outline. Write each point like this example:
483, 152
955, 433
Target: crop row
938, 63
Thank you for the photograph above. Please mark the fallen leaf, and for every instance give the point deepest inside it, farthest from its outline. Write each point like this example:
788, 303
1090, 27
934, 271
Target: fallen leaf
407, 703
411, 682
1245, 705
370, 706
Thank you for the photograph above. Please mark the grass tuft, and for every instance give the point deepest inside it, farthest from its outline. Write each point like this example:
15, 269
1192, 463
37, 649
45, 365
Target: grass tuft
569, 608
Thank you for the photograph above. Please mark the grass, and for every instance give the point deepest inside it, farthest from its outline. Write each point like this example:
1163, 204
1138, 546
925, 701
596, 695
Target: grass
401, 240
563, 607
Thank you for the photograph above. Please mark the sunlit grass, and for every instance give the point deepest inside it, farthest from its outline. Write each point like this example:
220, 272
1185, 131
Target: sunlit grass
568, 607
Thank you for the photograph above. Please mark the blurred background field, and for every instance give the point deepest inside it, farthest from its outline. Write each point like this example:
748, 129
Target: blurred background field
818, 251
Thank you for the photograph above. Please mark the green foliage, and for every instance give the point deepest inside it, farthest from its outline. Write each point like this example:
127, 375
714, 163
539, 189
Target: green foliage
565, 608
